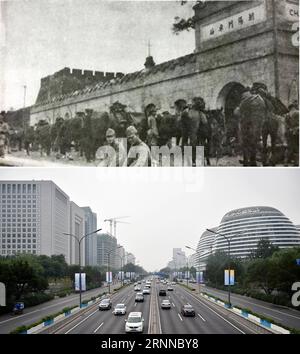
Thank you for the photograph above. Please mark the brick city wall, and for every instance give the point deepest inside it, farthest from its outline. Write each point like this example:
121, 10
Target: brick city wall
243, 57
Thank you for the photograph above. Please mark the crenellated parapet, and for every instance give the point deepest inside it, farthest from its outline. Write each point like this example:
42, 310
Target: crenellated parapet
69, 80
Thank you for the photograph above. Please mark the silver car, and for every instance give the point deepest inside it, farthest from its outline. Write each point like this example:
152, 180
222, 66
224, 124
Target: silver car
120, 309
165, 304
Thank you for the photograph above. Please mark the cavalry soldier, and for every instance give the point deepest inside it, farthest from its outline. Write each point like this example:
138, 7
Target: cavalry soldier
139, 153
152, 133
113, 153
292, 133
4, 131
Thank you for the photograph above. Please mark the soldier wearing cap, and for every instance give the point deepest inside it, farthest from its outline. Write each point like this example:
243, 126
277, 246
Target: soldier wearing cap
113, 153
152, 133
139, 152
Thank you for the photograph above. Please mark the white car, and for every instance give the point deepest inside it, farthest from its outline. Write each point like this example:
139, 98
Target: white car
120, 309
134, 322
165, 304
137, 288
146, 291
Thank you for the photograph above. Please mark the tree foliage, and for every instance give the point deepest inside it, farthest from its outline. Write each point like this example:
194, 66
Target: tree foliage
184, 24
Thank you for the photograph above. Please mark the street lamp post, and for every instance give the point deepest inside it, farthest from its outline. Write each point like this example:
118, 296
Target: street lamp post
79, 258
193, 249
108, 264
228, 239
122, 259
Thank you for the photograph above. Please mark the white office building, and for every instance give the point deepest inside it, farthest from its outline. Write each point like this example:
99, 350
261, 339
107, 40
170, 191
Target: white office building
77, 228
34, 215
90, 221
179, 258
120, 256
130, 258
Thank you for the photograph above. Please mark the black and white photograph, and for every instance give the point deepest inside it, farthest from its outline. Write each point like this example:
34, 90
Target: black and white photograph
149, 83
159, 258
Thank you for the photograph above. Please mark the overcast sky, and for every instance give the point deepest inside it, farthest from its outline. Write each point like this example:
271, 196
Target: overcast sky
40, 37
169, 207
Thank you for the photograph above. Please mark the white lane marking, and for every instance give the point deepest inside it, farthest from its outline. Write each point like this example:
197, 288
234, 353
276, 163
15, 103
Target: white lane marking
282, 313
180, 317
203, 319
81, 321
219, 315
135, 304
173, 304
98, 327
72, 297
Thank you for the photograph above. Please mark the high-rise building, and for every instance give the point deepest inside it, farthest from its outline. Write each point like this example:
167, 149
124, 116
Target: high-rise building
179, 258
120, 257
298, 228
77, 228
204, 248
106, 250
245, 227
34, 215
130, 258
90, 220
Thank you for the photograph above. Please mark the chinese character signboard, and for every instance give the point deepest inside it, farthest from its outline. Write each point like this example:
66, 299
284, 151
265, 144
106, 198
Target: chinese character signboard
83, 282
228, 281
234, 23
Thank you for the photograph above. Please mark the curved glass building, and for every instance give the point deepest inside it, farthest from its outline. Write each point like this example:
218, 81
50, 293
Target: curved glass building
245, 227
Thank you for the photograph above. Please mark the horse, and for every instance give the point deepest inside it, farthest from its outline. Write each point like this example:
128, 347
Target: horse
272, 126
216, 121
253, 112
195, 128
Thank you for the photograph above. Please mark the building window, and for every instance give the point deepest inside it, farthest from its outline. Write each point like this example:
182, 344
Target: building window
3, 188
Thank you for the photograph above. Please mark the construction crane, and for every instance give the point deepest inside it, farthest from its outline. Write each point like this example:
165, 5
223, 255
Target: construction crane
113, 223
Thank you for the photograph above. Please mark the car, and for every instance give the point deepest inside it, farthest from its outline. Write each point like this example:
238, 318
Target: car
170, 288
139, 297
137, 288
120, 309
18, 308
134, 322
146, 291
188, 310
162, 292
173, 283
165, 304
105, 304
147, 286
139, 282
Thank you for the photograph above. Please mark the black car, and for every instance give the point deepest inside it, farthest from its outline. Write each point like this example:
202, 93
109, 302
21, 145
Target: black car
188, 310
162, 292
105, 304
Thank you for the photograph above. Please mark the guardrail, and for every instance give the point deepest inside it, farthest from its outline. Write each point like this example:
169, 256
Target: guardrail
257, 320
39, 327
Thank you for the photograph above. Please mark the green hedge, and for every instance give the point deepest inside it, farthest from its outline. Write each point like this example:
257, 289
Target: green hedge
21, 329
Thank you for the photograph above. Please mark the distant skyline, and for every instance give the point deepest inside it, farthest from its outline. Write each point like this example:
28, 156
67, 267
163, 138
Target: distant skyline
170, 207
40, 37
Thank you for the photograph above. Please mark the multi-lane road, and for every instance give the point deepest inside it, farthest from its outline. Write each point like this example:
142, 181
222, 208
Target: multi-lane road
280, 314
209, 318
36, 313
